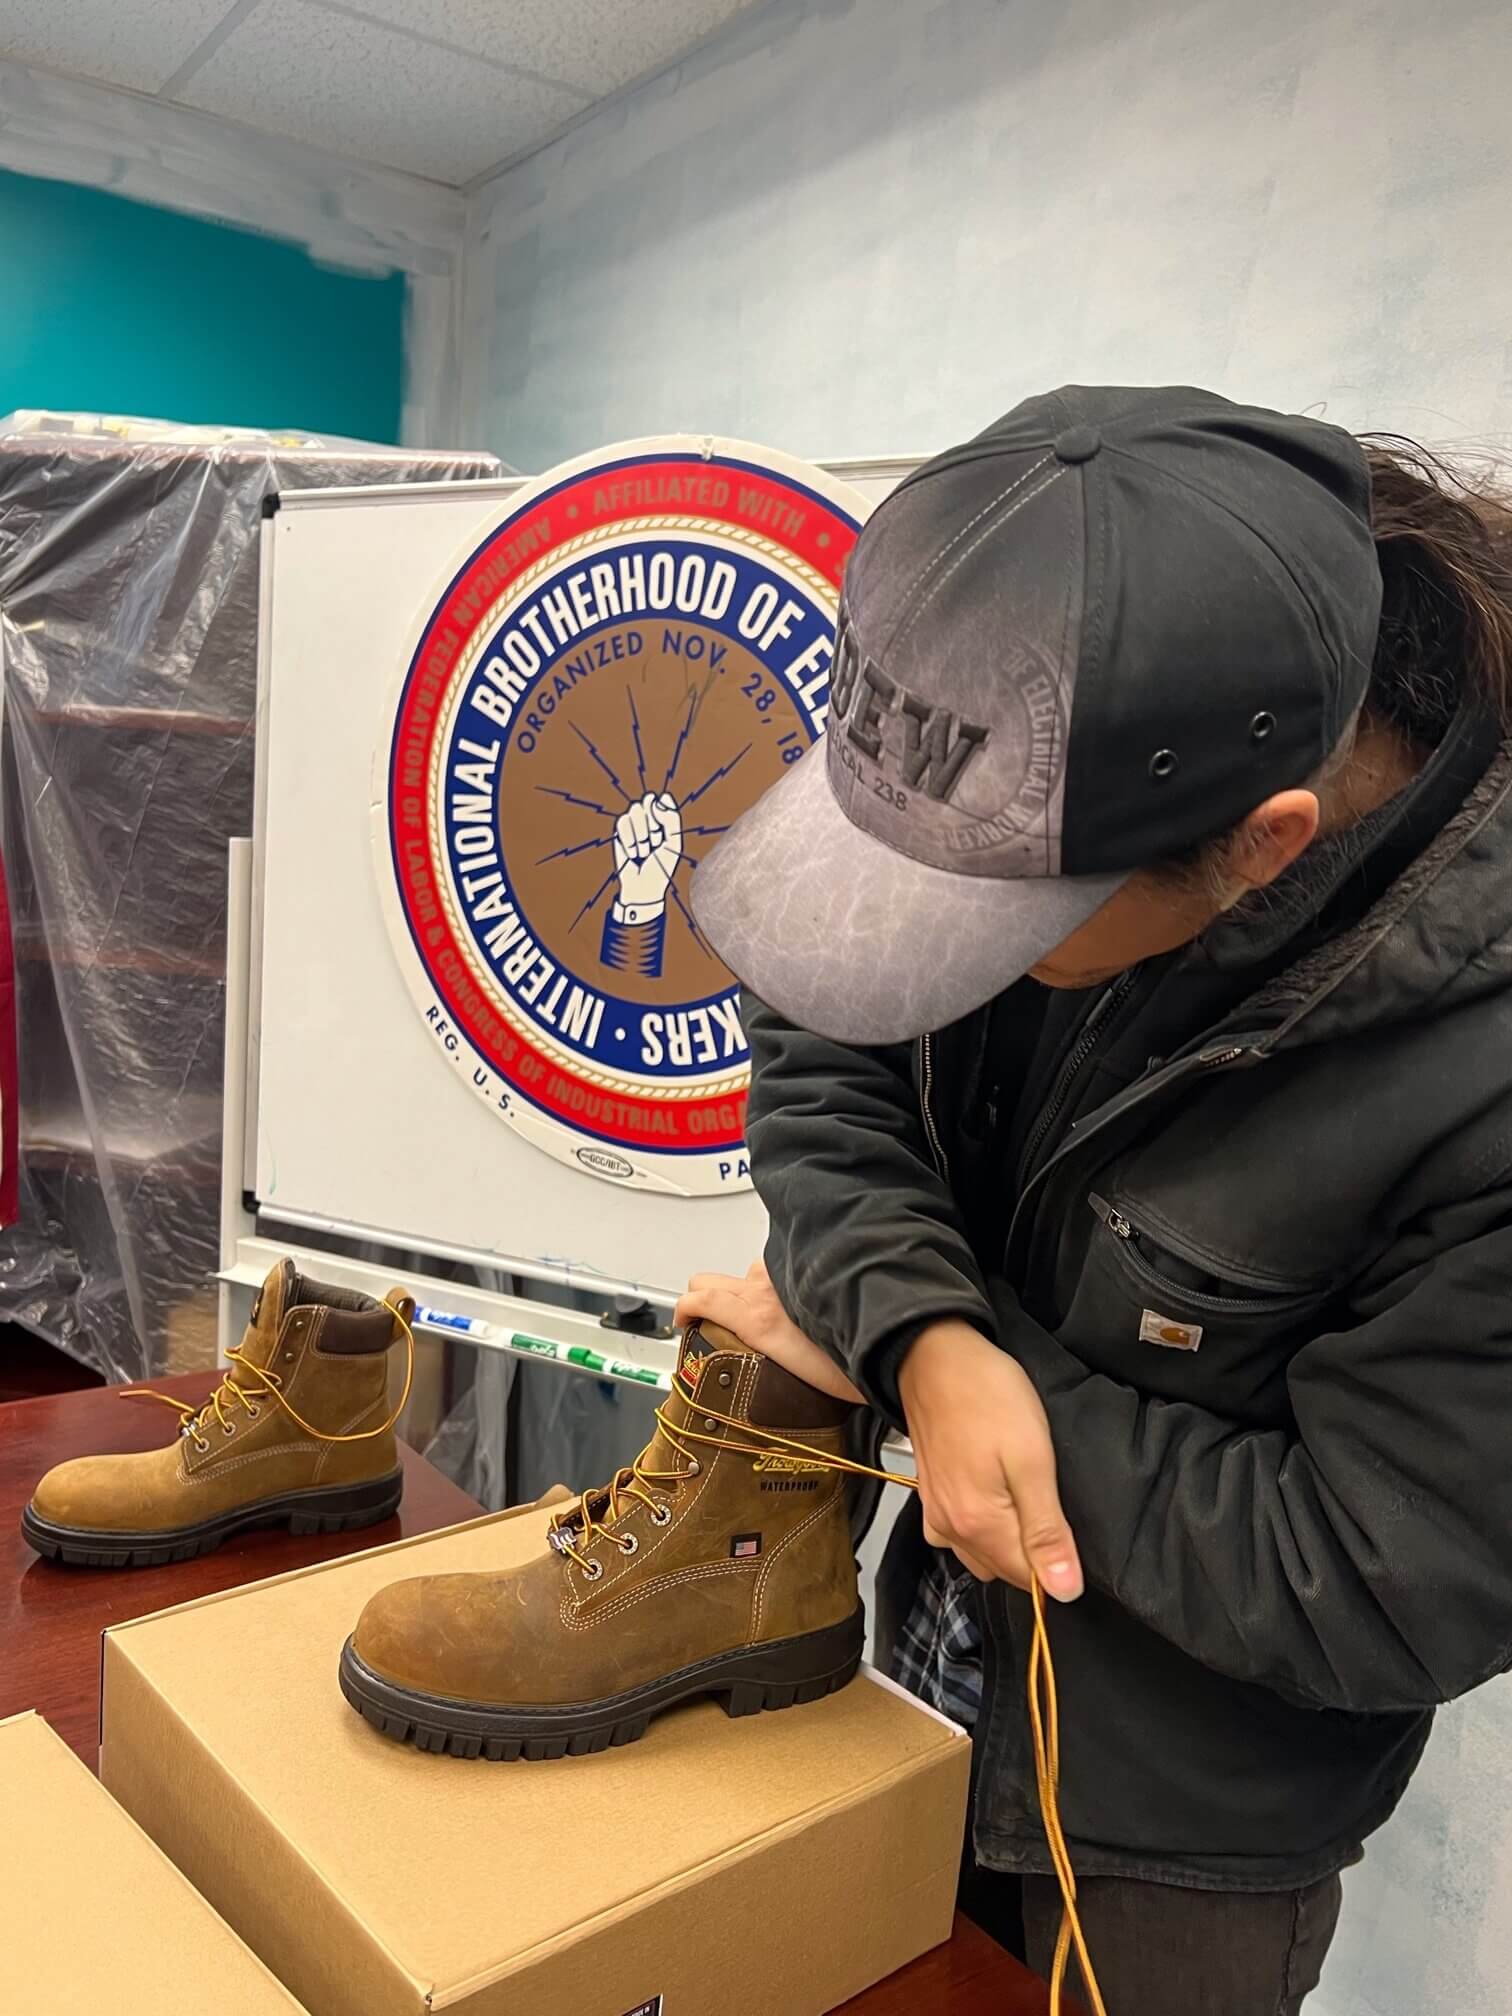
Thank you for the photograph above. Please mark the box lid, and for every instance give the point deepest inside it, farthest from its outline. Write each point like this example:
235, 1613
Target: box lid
461, 1870
92, 1915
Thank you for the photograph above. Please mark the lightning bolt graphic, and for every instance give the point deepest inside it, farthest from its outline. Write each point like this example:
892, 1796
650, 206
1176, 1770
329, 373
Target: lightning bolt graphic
581, 847
687, 913
682, 738
588, 804
593, 752
709, 782
592, 900
640, 754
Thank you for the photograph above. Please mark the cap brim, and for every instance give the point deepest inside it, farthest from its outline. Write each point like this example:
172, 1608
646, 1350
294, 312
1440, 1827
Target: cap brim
851, 939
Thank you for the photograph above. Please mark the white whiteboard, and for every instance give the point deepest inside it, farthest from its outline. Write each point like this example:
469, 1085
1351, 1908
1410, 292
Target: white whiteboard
351, 1124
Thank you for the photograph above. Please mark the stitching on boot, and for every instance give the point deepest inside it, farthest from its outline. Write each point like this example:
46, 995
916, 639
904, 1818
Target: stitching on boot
328, 1449
700, 1572
776, 1555
250, 1456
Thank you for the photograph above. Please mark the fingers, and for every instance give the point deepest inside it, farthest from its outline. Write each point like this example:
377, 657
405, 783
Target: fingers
665, 815
715, 1298
640, 830
1043, 1530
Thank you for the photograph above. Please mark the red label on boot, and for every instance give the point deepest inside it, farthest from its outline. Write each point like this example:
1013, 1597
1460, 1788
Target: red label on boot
696, 1352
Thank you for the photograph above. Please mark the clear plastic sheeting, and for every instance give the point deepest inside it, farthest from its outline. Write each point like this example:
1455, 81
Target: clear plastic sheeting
128, 647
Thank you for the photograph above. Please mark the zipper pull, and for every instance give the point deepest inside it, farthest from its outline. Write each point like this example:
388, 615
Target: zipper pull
1115, 1221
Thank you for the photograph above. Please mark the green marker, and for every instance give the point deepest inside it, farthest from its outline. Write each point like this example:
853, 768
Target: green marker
585, 1360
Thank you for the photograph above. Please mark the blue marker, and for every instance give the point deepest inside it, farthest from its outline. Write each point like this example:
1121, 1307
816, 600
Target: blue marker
442, 1319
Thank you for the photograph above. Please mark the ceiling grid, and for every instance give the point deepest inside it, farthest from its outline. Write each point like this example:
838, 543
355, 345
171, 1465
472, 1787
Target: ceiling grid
446, 89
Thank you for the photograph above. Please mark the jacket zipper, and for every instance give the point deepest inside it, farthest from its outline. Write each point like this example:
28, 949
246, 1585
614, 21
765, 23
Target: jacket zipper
1125, 1230
926, 1081
1137, 1094
1085, 1044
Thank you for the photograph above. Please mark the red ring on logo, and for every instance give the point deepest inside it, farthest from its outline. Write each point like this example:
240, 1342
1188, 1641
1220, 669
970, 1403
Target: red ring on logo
756, 502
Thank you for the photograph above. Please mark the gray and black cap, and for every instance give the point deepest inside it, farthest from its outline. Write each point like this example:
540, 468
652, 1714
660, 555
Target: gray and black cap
1099, 633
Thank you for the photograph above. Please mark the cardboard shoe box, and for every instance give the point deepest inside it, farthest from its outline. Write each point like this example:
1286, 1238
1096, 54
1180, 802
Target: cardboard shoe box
92, 1916
775, 1864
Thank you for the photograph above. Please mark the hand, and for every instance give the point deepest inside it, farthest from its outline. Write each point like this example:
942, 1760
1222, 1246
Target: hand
986, 1462
647, 848
750, 1310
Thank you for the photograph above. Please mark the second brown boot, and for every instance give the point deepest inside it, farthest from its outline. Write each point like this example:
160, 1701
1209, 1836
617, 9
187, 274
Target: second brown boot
298, 1434
719, 1564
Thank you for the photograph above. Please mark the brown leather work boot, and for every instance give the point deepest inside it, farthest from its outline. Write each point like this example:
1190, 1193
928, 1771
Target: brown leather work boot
719, 1563
298, 1433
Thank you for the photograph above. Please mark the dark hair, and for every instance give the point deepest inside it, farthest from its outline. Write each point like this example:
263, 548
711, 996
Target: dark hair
1444, 546
1444, 543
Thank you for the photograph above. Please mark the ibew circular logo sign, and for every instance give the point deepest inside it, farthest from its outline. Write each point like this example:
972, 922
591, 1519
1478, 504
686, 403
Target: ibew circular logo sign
634, 653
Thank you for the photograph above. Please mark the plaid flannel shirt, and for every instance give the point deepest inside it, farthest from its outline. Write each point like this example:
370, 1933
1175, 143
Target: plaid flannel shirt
939, 1653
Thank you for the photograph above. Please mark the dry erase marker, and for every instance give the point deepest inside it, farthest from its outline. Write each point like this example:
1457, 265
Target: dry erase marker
443, 1319
584, 1359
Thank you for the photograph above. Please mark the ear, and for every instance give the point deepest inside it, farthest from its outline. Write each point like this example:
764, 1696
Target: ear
1271, 838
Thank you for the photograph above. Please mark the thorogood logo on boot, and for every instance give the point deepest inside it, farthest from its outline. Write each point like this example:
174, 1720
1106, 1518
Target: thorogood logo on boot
788, 1466
639, 647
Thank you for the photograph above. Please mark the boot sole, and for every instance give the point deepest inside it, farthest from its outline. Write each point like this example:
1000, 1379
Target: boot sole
757, 1677
342, 1508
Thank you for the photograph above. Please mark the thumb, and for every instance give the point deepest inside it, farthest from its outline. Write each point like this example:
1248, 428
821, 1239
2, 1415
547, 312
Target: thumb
1045, 1534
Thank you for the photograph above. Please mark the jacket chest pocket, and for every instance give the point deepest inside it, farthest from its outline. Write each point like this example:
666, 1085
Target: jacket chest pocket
1159, 1316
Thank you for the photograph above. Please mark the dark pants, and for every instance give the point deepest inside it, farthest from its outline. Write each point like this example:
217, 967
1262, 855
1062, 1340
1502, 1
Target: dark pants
1160, 1951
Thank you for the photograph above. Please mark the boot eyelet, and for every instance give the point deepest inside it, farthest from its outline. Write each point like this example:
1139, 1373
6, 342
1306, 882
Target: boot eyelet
229, 1429
629, 1545
592, 1571
203, 1447
662, 1516
253, 1412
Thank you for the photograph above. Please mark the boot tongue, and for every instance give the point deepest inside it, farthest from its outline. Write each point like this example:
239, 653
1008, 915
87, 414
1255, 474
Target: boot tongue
274, 1300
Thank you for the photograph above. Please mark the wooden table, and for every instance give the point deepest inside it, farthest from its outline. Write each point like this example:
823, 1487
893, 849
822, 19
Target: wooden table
51, 1618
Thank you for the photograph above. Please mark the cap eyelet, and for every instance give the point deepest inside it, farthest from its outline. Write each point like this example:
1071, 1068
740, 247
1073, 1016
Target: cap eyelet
1263, 725
710, 1423
1163, 764
693, 1468
593, 1571
724, 1378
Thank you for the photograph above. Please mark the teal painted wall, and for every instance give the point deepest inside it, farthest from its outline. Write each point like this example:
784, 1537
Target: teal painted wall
110, 306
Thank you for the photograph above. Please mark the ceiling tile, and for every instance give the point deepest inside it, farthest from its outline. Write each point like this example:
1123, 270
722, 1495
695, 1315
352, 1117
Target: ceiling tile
595, 44
138, 43
320, 75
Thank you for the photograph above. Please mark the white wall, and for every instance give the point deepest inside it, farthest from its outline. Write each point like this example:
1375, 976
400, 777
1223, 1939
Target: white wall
860, 226
351, 215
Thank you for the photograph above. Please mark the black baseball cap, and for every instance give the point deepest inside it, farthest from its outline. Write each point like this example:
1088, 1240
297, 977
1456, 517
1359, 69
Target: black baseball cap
1099, 633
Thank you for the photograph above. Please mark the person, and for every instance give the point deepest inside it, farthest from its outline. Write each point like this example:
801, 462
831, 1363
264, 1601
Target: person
1129, 988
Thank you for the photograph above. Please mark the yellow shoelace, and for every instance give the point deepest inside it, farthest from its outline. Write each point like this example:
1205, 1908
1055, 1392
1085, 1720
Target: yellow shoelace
194, 1420
576, 1528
